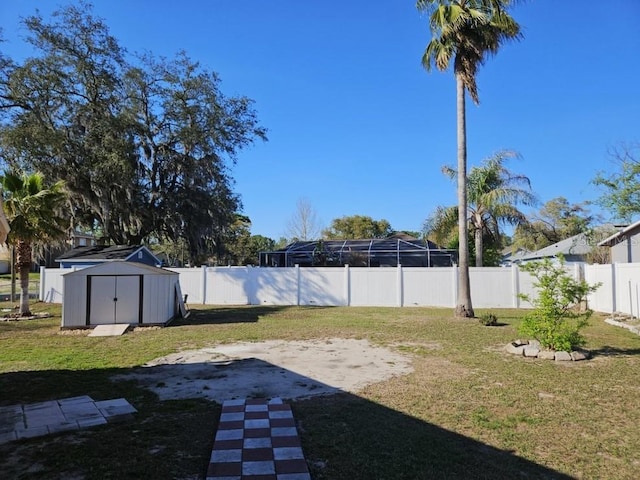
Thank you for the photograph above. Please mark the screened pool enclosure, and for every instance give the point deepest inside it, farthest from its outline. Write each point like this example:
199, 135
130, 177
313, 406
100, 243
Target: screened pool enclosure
379, 252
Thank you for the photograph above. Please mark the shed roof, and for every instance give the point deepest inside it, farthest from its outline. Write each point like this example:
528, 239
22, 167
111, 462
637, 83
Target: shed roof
103, 253
618, 236
120, 268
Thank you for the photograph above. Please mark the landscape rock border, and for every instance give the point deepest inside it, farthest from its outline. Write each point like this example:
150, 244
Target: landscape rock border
16, 317
623, 323
533, 349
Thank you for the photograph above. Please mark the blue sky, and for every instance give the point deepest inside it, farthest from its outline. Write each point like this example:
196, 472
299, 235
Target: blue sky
357, 126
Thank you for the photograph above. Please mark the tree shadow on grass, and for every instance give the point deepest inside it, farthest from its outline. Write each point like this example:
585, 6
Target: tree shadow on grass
222, 315
344, 436
347, 437
609, 351
235, 314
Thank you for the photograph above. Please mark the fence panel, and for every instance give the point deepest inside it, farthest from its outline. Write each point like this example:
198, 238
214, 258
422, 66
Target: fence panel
323, 286
628, 288
51, 285
274, 286
602, 299
361, 286
228, 286
428, 287
492, 287
375, 287
190, 283
525, 287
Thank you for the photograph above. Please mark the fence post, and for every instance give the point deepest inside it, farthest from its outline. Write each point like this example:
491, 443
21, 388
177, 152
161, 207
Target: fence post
613, 288
399, 286
297, 267
454, 271
43, 276
515, 285
347, 285
203, 284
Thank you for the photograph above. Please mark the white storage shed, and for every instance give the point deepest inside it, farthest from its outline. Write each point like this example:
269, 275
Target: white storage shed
120, 293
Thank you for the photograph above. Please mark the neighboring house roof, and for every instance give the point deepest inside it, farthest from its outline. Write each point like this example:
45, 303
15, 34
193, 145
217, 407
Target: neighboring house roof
104, 253
619, 236
577, 245
509, 256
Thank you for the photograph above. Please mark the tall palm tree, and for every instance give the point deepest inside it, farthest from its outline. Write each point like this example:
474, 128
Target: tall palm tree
465, 31
33, 211
493, 192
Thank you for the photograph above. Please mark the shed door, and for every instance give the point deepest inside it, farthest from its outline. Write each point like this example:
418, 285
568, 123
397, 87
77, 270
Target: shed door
114, 299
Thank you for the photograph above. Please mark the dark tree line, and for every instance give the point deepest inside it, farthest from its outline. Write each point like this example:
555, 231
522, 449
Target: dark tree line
144, 144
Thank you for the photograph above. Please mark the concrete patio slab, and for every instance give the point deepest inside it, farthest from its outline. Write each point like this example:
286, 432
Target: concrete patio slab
56, 416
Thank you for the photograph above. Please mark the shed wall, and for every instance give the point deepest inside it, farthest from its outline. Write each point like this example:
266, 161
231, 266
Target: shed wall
158, 292
74, 305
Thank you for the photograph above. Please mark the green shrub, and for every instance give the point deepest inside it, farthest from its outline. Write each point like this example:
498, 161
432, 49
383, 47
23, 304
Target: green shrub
488, 319
557, 317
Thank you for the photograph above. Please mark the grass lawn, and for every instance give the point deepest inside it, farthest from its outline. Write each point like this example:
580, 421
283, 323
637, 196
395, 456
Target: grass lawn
468, 410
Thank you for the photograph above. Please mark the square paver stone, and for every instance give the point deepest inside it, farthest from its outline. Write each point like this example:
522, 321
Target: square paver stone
256, 408
75, 400
264, 442
294, 476
63, 427
229, 434
258, 468
287, 453
91, 421
225, 456
231, 417
258, 423
284, 432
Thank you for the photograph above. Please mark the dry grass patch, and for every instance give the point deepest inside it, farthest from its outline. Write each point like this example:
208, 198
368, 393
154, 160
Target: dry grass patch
468, 410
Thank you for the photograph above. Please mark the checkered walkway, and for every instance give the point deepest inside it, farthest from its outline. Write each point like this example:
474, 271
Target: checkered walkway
257, 439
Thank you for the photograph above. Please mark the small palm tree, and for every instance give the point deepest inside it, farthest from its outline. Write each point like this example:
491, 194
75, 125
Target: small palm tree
33, 211
465, 31
493, 193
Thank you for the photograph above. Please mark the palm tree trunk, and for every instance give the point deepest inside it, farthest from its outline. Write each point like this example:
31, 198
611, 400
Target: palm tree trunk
23, 265
463, 307
477, 236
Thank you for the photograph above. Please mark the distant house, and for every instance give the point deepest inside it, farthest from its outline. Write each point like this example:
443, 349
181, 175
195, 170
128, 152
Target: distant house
574, 249
624, 244
79, 239
375, 252
510, 256
97, 254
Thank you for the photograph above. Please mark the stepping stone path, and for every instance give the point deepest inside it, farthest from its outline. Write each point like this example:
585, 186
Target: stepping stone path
44, 418
257, 439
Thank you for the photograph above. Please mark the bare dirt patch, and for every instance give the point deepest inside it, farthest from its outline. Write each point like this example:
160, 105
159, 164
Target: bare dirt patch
286, 369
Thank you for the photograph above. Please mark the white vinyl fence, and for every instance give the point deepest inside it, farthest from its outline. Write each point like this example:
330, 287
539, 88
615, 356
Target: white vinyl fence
393, 287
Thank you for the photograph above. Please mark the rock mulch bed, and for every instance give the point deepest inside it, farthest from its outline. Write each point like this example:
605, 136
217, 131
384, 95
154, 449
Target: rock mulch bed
533, 349
16, 317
